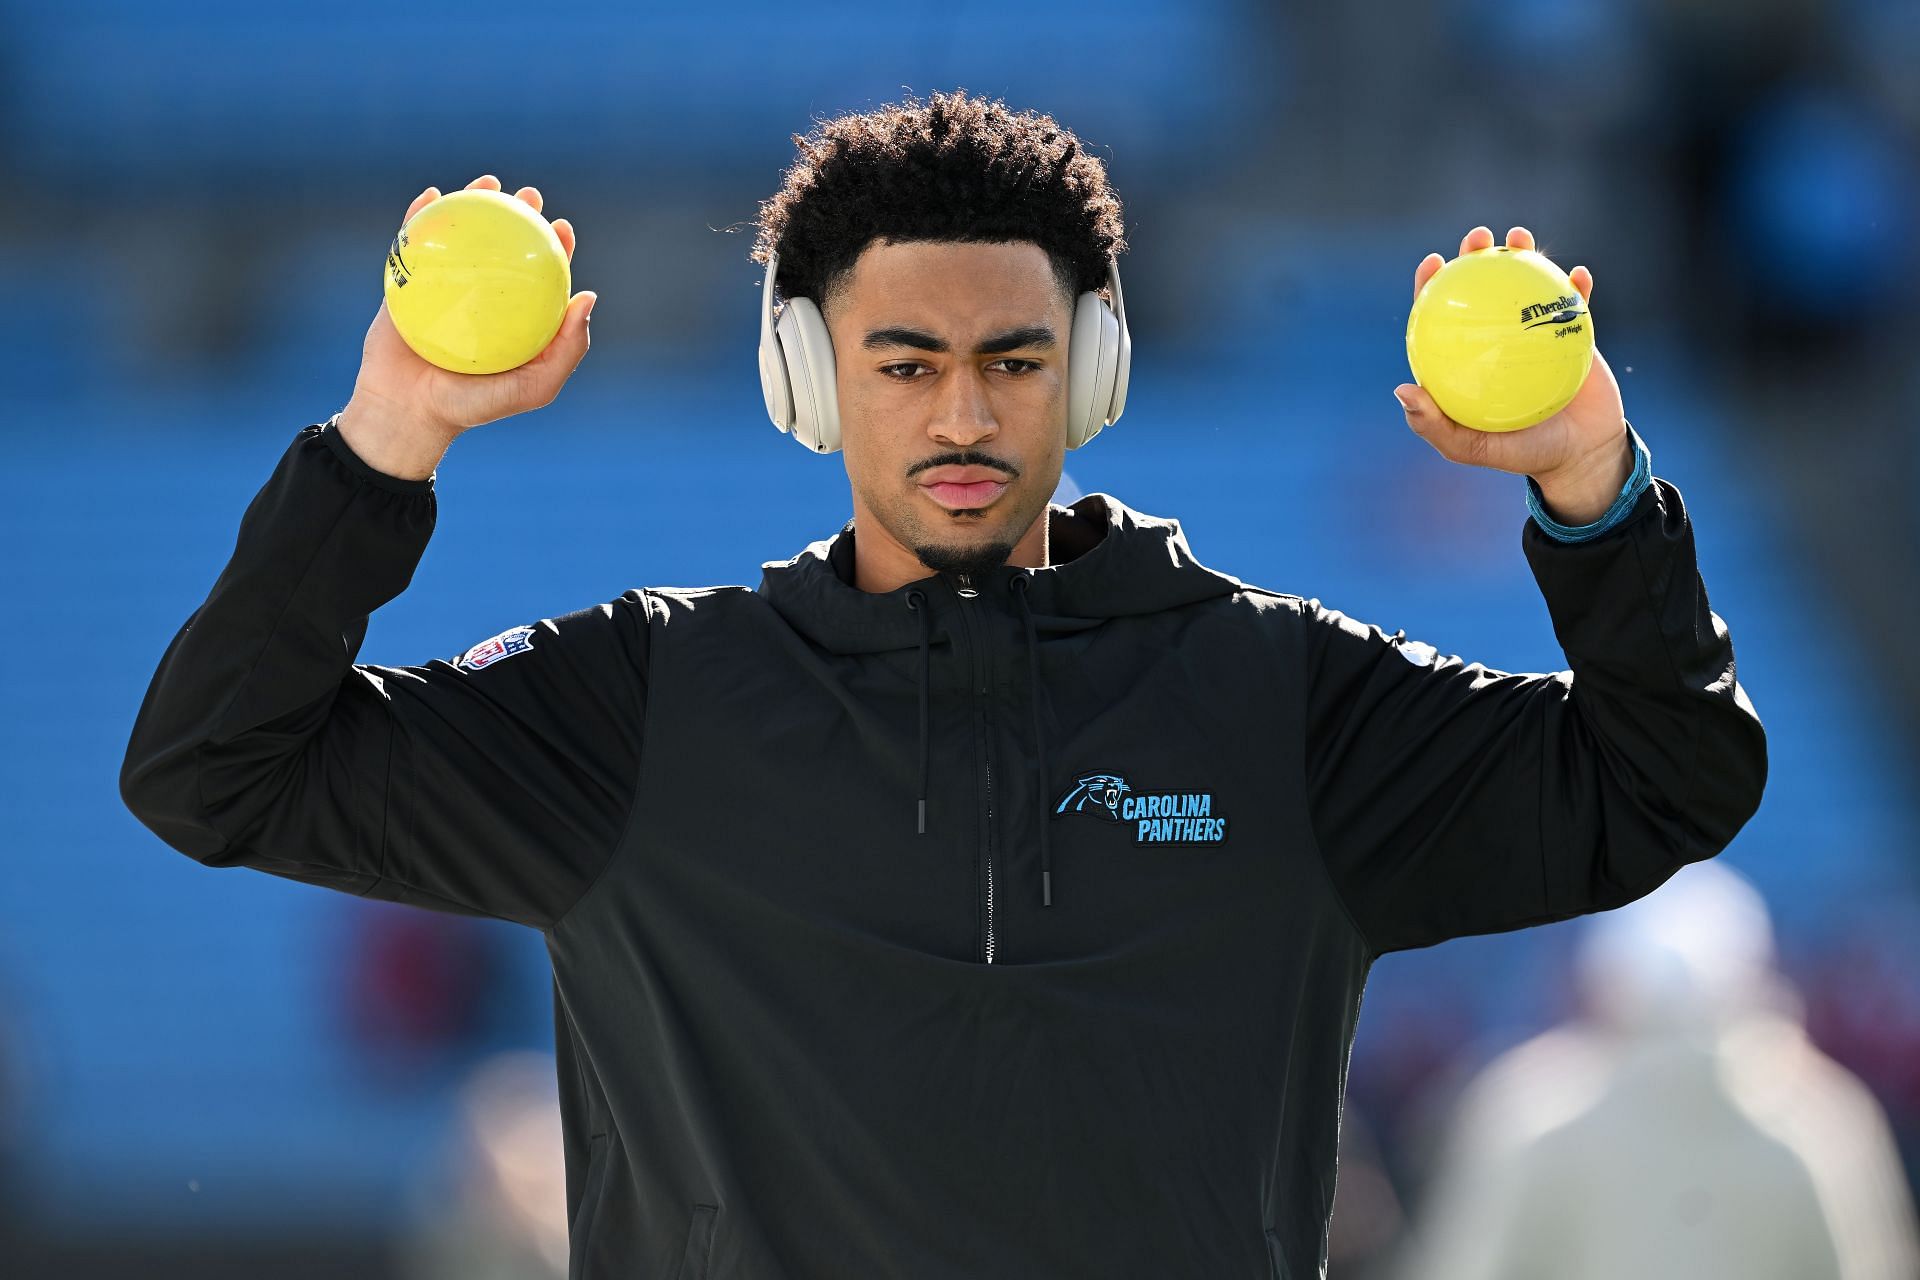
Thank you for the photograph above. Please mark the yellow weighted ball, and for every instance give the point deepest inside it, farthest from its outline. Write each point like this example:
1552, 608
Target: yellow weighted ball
477, 282
1500, 339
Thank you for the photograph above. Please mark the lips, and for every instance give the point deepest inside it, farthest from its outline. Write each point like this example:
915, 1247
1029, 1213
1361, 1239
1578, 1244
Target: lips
959, 497
964, 488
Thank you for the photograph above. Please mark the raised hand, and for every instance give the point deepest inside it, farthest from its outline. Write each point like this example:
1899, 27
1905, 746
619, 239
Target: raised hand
1585, 441
405, 411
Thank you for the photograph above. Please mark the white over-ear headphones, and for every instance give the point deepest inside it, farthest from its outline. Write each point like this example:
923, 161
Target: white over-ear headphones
796, 366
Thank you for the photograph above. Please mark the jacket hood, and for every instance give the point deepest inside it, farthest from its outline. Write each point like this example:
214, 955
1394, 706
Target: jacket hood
1109, 561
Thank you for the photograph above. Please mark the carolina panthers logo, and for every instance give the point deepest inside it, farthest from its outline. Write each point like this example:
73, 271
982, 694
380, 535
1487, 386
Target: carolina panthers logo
1157, 817
1102, 791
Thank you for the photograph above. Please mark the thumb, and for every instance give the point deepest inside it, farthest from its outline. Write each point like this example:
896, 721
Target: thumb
1448, 438
1417, 405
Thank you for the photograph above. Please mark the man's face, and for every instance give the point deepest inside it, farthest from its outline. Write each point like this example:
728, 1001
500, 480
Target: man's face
951, 365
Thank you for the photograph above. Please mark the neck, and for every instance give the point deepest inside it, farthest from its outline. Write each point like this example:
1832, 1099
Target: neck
881, 563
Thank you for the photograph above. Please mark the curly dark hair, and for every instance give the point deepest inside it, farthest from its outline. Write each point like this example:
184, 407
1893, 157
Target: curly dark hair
951, 168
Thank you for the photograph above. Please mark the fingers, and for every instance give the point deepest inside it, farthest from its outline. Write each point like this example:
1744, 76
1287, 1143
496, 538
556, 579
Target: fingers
561, 227
488, 182
485, 182
1424, 272
1482, 238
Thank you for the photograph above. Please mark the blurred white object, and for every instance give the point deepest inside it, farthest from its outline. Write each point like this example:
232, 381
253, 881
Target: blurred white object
496, 1206
1685, 1128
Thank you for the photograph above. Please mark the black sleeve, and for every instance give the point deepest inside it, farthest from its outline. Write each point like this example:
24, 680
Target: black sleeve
1453, 799
496, 784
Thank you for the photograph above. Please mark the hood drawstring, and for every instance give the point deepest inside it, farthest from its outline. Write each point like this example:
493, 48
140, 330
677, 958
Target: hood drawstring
1019, 588
917, 601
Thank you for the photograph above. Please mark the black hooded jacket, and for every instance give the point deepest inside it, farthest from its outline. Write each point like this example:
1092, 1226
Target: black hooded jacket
1005, 928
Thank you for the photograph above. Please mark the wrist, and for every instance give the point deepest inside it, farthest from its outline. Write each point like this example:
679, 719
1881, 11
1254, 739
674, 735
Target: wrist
390, 442
1637, 483
1582, 493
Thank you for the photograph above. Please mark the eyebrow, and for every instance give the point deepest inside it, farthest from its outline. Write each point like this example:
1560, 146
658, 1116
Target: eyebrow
1037, 335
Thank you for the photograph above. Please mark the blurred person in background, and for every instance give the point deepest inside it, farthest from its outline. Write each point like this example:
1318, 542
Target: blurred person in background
1861, 986
1683, 1126
417, 990
494, 1206
1368, 1218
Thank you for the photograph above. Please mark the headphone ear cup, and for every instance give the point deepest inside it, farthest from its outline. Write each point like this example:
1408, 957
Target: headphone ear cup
809, 364
774, 385
1092, 364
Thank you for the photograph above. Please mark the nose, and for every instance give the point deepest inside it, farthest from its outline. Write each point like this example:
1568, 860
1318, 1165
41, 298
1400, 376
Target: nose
963, 411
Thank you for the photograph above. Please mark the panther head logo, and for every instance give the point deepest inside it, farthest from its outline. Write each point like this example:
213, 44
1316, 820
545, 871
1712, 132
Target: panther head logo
1098, 794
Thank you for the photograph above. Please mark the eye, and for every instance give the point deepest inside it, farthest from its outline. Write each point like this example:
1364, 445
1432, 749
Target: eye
909, 371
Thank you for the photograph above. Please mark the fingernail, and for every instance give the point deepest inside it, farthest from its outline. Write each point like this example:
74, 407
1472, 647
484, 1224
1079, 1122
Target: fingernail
1405, 403
592, 298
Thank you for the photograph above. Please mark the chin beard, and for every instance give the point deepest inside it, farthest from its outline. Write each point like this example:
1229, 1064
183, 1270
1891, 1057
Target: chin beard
972, 561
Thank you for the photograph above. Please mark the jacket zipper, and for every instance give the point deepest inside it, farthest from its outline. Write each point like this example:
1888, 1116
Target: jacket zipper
982, 732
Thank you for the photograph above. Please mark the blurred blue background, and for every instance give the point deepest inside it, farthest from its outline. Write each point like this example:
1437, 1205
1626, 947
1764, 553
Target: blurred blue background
217, 1072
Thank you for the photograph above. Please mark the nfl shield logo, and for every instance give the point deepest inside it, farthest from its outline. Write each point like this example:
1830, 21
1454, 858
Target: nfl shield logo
504, 645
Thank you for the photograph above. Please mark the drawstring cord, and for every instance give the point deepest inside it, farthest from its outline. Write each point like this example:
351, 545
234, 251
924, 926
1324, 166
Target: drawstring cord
917, 601
1019, 587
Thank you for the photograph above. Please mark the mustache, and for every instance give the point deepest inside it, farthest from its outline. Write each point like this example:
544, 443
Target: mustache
959, 458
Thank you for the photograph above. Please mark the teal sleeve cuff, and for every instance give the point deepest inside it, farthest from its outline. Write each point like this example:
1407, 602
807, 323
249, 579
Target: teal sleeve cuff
1629, 493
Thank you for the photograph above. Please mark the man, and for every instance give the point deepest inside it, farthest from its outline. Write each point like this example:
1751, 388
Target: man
991, 891
1681, 1124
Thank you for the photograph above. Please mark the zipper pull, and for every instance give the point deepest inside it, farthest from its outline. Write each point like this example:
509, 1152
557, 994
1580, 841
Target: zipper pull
965, 590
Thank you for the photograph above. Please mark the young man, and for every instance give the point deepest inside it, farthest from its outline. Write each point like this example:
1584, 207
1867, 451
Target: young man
1038, 949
